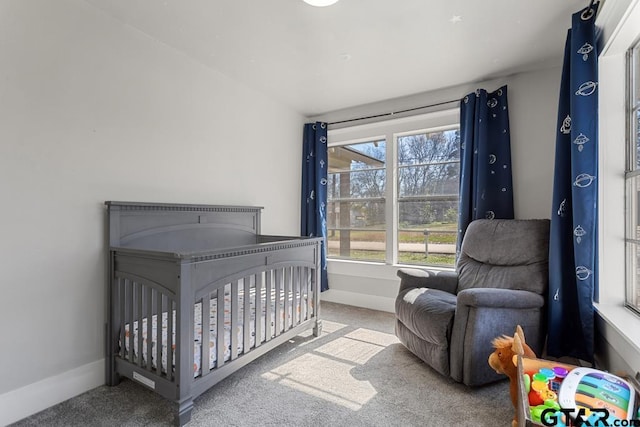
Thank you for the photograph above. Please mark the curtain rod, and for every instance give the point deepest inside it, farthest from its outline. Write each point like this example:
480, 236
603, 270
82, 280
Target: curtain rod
375, 116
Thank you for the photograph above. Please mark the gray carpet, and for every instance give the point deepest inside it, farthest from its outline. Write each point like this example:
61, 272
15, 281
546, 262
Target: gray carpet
355, 374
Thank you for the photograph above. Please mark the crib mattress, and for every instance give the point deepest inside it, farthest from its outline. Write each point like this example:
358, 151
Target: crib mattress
293, 316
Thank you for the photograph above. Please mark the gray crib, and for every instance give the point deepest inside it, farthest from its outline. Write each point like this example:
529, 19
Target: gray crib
196, 292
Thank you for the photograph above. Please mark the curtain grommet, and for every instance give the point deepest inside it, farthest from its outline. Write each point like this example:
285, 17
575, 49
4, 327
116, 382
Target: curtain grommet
587, 14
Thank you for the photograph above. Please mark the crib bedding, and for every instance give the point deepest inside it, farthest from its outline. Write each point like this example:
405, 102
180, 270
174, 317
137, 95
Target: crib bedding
292, 315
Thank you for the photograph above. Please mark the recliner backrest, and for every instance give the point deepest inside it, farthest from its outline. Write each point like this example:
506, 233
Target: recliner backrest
505, 253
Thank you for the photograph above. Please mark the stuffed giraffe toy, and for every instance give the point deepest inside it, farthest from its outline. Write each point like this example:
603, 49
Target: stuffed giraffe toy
504, 361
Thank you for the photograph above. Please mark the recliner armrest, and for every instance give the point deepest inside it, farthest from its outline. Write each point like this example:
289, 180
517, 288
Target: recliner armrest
415, 278
500, 298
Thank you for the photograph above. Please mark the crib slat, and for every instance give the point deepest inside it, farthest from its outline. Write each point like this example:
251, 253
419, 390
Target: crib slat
220, 345
303, 300
267, 305
122, 288
294, 296
308, 274
131, 318
278, 285
140, 325
234, 320
258, 316
170, 344
158, 333
149, 314
246, 332
206, 313
288, 310
296, 312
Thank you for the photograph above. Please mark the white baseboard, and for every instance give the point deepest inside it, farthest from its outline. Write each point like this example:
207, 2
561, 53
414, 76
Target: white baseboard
30, 399
357, 299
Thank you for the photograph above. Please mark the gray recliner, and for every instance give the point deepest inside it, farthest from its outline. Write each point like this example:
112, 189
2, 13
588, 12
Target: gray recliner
448, 319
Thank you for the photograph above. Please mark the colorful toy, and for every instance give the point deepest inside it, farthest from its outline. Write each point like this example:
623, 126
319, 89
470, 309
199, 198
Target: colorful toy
504, 361
593, 389
540, 393
560, 374
549, 414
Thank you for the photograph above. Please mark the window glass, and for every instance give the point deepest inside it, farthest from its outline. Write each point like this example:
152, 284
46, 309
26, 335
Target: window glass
634, 107
632, 200
356, 223
428, 181
635, 137
633, 275
636, 74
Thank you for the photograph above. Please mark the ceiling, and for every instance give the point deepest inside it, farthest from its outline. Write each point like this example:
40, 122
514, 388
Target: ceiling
318, 60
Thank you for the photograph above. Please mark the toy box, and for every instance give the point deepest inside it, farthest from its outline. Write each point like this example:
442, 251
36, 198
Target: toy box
556, 374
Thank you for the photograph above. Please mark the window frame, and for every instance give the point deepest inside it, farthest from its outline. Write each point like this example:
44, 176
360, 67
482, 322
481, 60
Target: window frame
631, 175
618, 325
390, 131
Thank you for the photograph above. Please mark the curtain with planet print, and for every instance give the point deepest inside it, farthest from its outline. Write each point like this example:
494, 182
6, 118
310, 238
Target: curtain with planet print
313, 216
486, 189
573, 240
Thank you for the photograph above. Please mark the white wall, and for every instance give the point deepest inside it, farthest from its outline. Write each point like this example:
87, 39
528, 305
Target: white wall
92, 110
533, 106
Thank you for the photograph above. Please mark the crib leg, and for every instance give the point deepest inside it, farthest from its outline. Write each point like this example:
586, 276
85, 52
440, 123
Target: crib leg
317, 329
113, 378
183, 416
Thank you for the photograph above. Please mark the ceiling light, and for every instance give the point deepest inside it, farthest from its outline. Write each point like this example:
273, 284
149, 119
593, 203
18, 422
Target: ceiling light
320, 3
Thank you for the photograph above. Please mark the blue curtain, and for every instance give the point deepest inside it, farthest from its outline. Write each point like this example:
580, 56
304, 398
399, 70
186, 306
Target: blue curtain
573, 240
314, 189
486, 189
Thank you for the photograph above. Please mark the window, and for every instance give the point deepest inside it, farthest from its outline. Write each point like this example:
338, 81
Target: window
356, 201
620, 324
632, 178
393, 191
428, 178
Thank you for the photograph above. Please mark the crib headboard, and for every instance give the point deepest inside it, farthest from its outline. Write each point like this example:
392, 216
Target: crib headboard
181, 228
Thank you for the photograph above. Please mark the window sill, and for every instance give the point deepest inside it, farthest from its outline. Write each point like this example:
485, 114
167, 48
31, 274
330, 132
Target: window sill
372, 269
623, 320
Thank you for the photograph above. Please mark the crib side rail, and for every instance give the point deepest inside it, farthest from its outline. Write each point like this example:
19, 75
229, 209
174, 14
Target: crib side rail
252, 301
